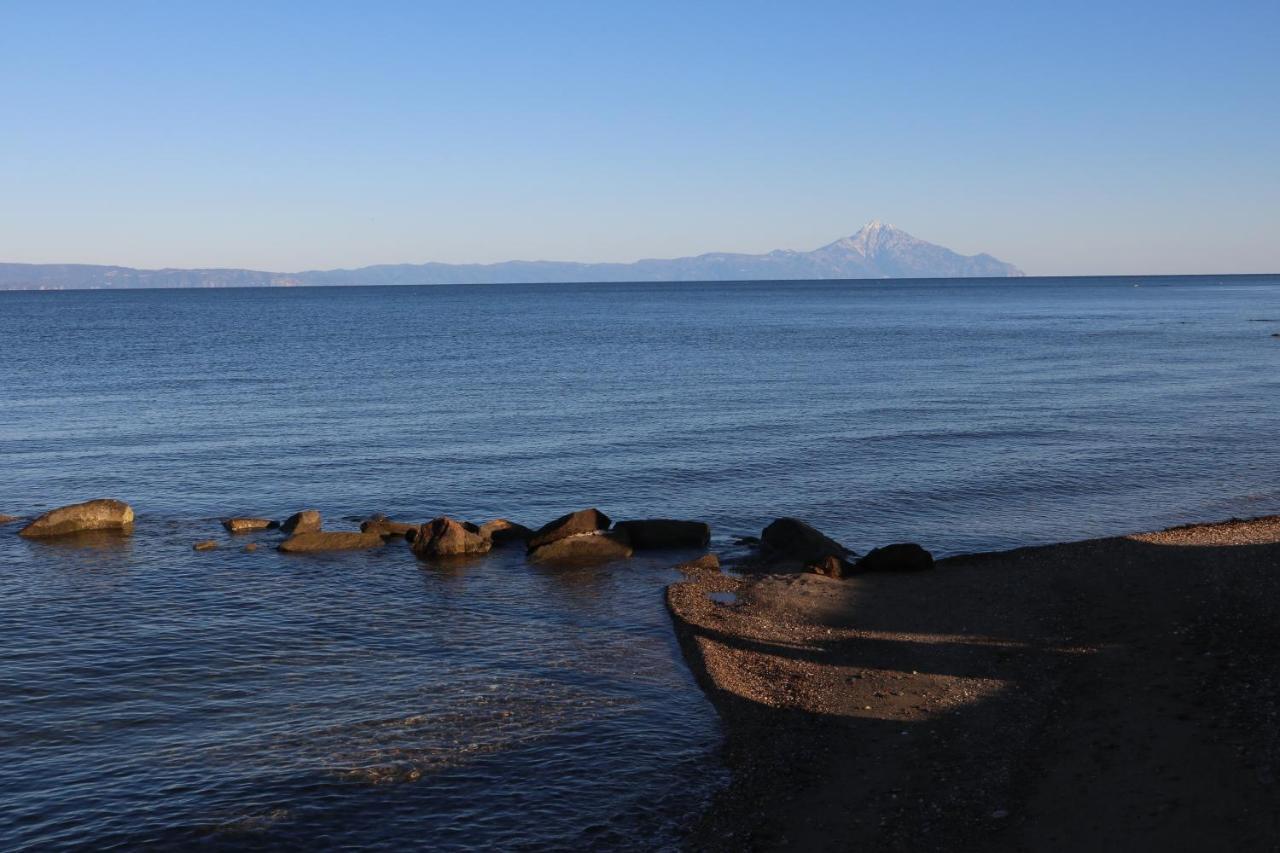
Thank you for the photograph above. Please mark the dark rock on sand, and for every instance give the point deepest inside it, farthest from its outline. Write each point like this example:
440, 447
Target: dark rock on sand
573, 524
665, 533
101, 514
386, 528
902, 557
501, 532
307, 521
832, 567
333, 541
600, 546
205, 545
793, 539
248, 525
446, 537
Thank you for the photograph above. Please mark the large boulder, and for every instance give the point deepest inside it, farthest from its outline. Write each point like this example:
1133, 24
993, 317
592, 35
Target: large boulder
573, 524
386, 528
665, 533
446, 537
248, 525
790, 539
307, 521
901, 557
302, 543
502, 532
101, 514
600, 546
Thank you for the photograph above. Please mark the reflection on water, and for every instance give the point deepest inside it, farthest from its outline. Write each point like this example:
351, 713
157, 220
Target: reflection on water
153, 695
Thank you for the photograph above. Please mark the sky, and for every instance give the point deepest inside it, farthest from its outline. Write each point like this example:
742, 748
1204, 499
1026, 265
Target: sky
1067, 138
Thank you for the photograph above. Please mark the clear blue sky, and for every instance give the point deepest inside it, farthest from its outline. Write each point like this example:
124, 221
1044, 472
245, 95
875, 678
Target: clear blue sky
1068, 138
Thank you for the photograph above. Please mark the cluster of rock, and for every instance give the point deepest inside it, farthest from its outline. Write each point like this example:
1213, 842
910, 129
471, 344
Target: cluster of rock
585, 536
792, 543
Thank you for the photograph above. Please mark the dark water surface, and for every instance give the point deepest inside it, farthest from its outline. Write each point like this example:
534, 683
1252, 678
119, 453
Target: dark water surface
149, 694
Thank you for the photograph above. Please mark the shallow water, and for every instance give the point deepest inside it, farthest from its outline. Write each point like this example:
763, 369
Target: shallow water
151, 694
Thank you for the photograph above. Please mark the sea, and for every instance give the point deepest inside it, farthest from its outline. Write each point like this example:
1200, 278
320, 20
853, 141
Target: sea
155, 696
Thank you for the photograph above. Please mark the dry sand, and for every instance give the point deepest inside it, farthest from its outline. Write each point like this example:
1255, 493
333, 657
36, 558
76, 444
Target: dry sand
1113, 694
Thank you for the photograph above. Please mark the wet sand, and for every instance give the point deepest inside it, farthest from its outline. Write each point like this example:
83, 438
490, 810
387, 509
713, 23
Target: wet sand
1111, 694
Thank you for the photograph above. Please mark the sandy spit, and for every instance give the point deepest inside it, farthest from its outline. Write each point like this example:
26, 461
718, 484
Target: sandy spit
1111, 694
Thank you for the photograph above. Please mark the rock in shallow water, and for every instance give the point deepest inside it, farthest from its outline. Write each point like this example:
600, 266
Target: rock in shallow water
665, 533
247, 525
100, 514
204, 545
386, 528
332, 541
585, 548
902, 557
307, 521
446, 537
573, 524
793, 539
501, 532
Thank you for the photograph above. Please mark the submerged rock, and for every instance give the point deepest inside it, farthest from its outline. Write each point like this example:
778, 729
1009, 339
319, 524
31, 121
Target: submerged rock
793, 539
247, 525
205, 545
600, 546
100, 514
9, 519
901, 557
386, 528
501, 532
251, 547
573, 524
446, 537
331, 541
307, 521
665, 533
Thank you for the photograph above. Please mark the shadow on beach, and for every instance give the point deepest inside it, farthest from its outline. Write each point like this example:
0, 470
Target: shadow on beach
1112, 694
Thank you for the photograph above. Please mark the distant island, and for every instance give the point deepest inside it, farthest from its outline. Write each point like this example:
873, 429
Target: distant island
876, 251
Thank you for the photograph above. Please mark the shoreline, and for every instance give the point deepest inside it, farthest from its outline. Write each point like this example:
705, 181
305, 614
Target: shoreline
1113, 693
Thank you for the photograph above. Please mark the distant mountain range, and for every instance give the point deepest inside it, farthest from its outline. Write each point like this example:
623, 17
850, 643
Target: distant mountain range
876, 251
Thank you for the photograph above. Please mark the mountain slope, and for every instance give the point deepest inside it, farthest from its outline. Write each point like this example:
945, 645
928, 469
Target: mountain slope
876, 251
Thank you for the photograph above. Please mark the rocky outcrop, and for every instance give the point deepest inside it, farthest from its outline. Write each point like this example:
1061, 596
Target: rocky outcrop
446, 537
307, 521
101, 514
573, 524
901, 557
302, 543
248, 525
205, 545
501, 532
386, 528
665, 533
601, 546
792, 540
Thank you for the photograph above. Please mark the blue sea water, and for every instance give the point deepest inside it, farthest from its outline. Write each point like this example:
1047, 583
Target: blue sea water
153, 695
